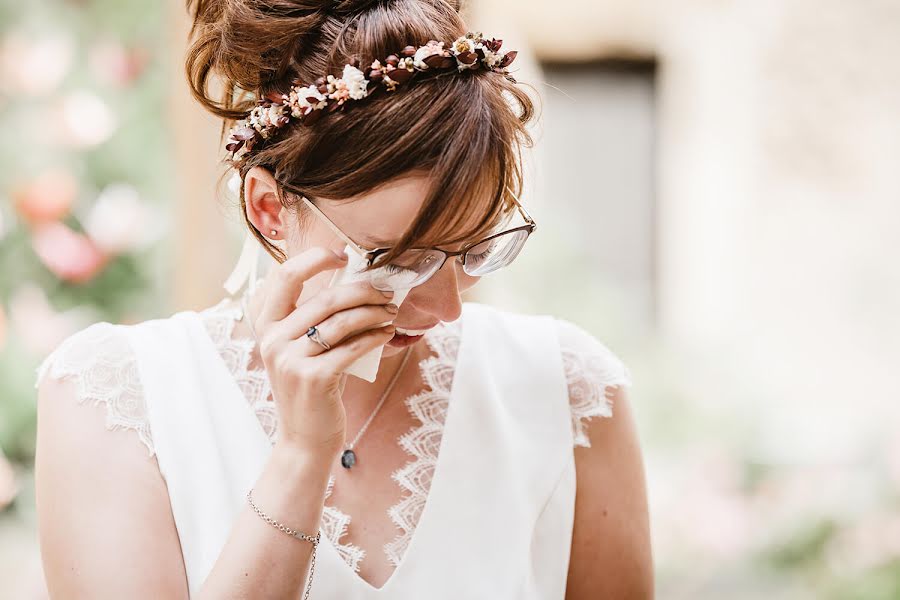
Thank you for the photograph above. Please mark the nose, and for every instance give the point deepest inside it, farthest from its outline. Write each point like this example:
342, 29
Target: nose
440, 295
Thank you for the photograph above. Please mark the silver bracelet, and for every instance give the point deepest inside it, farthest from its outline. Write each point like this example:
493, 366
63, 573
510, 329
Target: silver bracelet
293, 533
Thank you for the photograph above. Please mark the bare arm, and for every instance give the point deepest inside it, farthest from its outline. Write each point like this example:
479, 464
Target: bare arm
106, 527
611, 555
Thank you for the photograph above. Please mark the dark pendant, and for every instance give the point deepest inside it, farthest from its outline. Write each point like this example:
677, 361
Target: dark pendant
348, 458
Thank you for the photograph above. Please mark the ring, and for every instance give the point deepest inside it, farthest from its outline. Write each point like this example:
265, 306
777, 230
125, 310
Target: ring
313, 334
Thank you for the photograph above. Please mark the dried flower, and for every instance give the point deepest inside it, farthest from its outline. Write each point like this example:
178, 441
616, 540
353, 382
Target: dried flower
304, 103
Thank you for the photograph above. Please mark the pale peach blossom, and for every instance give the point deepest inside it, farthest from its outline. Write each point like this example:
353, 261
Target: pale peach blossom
47, 197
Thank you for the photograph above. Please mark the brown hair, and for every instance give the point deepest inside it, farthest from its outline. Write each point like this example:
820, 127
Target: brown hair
466, 129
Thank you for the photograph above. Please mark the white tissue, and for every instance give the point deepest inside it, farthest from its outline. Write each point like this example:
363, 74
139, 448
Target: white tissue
366, 367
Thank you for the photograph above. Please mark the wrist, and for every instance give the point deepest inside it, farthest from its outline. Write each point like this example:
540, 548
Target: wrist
294, 459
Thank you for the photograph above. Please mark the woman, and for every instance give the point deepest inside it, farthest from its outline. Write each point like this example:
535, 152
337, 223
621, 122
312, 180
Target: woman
451, 472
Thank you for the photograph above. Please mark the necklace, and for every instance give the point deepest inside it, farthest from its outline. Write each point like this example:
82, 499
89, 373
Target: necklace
348, 457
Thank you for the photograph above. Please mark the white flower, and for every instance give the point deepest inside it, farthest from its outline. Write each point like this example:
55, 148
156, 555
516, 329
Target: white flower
429, 49
491, 58
273, 113
120, 221
356, 82
299, 102
463, 45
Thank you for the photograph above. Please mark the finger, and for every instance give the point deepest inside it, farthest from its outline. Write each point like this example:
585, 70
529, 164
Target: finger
319, 312
287, 281
345, 324
341, 357
359, 345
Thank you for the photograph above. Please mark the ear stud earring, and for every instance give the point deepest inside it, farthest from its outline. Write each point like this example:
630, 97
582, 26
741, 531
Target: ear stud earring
274, 232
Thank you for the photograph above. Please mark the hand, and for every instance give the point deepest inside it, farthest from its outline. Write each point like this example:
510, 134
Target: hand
307, 380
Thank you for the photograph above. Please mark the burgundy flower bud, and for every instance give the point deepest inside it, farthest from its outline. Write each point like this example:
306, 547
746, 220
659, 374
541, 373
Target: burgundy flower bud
508, 58
467, 58
392, 60
436, 61
400, 75
408, 51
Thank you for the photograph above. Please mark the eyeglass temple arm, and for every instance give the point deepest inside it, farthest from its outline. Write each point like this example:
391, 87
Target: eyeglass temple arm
365, 251
359, 249
521, 208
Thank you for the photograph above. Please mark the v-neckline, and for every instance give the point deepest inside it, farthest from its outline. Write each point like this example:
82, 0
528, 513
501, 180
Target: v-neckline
436, 478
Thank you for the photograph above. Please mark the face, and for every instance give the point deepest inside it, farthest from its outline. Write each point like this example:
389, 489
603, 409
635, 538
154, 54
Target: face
370, 220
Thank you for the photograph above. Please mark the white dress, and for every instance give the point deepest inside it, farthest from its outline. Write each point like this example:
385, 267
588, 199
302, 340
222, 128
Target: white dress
490, 484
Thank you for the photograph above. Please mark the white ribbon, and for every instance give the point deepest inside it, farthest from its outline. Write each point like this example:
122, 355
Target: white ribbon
246, 266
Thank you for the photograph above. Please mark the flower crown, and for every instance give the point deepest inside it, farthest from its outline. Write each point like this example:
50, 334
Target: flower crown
307, 103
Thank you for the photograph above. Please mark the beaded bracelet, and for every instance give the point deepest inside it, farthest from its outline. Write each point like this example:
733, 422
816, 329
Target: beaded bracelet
293, 533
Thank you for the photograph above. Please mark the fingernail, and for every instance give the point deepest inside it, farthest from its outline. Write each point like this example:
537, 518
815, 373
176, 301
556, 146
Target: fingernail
391, 308
341, 254
387, 293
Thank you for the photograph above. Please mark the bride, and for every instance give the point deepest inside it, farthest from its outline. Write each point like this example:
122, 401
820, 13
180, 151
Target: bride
347, 427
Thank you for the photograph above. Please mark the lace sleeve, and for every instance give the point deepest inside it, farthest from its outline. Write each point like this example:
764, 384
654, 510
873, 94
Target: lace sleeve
100, 361
593, 372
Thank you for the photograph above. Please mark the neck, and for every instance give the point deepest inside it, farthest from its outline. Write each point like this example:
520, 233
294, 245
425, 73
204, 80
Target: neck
363, 395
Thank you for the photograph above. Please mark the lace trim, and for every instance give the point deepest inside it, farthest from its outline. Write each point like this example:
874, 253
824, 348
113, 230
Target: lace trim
100, 360
423, 442
254, 383
109, 375
593, 373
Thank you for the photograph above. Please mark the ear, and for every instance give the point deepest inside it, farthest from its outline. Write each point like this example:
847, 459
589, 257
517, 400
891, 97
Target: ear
264, 209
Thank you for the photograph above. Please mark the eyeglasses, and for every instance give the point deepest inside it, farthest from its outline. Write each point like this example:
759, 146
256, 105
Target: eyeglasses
417, 265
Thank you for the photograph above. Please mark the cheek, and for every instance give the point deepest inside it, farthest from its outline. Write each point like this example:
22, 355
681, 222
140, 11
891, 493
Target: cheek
466, 281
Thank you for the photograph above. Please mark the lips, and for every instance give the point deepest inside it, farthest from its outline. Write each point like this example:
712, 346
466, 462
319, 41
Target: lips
412, 332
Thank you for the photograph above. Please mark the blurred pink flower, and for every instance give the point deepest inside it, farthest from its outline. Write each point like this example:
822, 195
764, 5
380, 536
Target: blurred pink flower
30, 65
71, 256
113, 63
9, 487
48, 197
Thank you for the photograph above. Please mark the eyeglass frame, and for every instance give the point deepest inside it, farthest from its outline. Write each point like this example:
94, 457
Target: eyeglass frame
370, 254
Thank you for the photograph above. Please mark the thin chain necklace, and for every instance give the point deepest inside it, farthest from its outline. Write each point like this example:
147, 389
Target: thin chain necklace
348, 457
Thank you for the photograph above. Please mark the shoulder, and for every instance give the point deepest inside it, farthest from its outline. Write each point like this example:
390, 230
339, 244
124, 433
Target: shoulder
96, 366
595, 376
611, 528
116, 508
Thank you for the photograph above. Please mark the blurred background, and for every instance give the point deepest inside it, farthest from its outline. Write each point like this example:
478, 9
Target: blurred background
717, 188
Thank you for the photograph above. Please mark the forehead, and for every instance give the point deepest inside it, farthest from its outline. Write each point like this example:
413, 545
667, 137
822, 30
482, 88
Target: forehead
380, 217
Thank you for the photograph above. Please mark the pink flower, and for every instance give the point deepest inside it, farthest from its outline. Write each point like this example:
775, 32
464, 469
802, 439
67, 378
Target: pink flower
112, 62
71, 256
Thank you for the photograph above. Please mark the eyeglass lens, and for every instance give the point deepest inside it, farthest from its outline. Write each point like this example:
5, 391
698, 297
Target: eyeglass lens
415, 267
